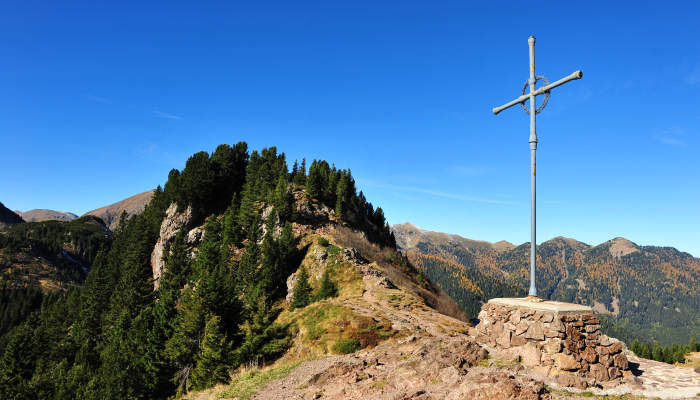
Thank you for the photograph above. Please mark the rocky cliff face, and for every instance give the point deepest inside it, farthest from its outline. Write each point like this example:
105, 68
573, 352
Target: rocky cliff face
171, 225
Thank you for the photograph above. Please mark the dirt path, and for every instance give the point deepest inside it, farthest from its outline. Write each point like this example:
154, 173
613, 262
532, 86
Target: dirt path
435, 358
659, 379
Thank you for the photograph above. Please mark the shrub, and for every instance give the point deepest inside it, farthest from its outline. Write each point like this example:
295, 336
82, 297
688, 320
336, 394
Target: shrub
323, 241
346, 346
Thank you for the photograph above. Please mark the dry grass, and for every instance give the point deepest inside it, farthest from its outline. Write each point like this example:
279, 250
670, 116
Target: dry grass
249, 380
399, 271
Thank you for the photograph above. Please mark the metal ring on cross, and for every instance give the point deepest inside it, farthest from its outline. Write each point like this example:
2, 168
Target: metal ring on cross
546, 95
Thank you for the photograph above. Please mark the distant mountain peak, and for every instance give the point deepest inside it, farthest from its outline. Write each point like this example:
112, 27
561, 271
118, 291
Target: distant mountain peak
42, 214
131, 205
409, 235
621, 247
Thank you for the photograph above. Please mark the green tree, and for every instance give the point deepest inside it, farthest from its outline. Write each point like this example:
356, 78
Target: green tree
327, 289
212, 362
300, 175
302, 290
315, 182
283, 200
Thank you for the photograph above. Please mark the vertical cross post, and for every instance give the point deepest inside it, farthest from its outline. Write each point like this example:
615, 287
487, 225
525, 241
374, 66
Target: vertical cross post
533, 168
534, 110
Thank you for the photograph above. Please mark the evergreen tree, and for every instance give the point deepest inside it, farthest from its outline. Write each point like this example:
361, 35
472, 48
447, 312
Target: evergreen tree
300, 175
302, 291
183, 345
327, 289
283, 200
262, 339
657, 353
231, 234
314, 182
212, 362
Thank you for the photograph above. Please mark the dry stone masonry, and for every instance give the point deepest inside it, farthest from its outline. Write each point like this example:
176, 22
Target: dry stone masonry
553, 338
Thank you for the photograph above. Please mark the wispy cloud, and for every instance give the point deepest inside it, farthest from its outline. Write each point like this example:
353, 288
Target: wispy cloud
438, 193
673, 136
167, 115
157, 113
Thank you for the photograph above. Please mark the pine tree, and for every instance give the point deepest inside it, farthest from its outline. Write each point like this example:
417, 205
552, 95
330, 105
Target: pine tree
231, 232
212, 362
327, 289
283, 200
300, 176
302, 291
341, 197
182, 347
658, 352
314, 182
262, 339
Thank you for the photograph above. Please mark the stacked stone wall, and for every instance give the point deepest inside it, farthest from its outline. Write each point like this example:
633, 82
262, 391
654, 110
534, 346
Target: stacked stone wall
552, 343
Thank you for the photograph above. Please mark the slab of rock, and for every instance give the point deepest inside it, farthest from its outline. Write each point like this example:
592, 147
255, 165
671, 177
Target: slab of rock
504, 339
620, 361
566, 362
535, 331
530, 355
589, 354
552, 347
571, 381
521, 327
599, 372
516, 340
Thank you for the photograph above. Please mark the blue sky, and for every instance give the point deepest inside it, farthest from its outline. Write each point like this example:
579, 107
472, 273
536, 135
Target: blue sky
98, 101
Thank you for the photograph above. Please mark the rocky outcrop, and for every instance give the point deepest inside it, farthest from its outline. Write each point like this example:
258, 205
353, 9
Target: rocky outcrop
569, 344
171, 225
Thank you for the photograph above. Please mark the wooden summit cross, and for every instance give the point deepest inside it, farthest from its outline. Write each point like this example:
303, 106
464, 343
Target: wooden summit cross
533, 138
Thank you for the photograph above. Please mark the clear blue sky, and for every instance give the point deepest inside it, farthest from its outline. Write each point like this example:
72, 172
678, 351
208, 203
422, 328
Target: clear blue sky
98, 101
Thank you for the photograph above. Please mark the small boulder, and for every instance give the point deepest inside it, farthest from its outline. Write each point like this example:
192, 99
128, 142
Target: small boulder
530, 355
566, 362
571, 381
599, 372
535, 331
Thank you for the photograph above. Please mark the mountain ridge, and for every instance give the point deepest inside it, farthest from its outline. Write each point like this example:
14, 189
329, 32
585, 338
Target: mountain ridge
43, 214
132, 205
503, 244
635, 285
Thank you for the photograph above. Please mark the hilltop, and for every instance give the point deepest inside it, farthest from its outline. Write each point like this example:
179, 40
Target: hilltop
39, 215
648, 292
131, 206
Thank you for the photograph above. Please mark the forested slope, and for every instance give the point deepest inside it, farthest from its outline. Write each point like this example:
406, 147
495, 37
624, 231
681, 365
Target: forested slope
117, 337
649, 292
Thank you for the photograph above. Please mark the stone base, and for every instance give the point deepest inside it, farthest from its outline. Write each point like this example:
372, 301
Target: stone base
551, 337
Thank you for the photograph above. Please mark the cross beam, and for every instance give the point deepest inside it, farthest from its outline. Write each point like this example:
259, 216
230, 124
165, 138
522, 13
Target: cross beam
533, 141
